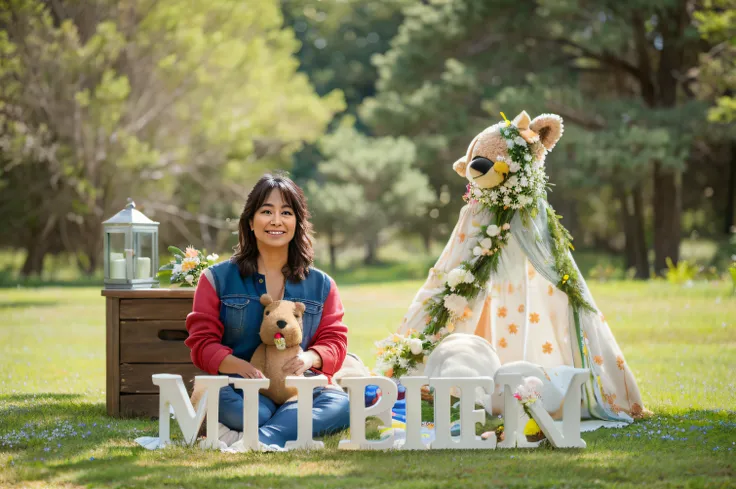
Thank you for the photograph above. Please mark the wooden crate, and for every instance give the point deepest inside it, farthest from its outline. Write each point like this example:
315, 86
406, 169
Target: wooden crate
145, 336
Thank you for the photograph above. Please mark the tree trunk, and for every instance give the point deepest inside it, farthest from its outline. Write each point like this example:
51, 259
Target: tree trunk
88, 255
33, 265
427, 239
371, 246
728, 216
333, 252
667, 213
633, 222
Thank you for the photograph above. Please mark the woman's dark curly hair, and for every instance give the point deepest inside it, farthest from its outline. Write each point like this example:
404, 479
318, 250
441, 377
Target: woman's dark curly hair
301, 253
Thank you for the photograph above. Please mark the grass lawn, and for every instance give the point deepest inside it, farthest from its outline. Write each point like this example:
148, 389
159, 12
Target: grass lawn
680, 342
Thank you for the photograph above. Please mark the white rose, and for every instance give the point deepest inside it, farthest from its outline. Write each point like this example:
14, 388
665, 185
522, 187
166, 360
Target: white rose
456, 304
493, 230
506, 227
486, 243
455, 277
213, 257
468, 277
477, 251
415, 345
189, 278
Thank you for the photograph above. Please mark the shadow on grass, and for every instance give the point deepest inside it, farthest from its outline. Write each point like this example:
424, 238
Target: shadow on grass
36, 282
21, 408
26, 304
642, 454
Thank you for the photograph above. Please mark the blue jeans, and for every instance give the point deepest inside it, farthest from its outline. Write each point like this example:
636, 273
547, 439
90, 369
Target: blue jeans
277, 424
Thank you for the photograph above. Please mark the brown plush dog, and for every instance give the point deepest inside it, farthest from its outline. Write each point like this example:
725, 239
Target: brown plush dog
281, 334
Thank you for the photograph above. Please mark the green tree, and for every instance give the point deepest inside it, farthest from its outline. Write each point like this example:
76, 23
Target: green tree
182, 104
338, 40
716, 83
595, 63
368, 186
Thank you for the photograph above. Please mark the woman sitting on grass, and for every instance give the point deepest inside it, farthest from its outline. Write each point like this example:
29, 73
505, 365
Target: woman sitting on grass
274, 255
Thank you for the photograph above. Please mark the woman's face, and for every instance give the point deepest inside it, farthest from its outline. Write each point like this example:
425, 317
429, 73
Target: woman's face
274, 223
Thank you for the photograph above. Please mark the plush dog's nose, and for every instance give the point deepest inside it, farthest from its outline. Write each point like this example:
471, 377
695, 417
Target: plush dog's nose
281, 323
481, 165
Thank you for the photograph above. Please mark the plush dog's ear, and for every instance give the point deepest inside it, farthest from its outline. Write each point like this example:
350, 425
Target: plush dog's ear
459, 166
266, 299
549, 127
299, 308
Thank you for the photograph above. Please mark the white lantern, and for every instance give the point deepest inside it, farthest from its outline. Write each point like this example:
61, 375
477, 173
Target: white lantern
131, 250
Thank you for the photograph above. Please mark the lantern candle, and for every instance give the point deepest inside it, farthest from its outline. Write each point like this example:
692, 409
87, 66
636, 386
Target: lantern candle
117, 268
116, 256
143, 267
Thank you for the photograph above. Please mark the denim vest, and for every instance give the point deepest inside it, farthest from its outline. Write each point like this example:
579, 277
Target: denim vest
241, 311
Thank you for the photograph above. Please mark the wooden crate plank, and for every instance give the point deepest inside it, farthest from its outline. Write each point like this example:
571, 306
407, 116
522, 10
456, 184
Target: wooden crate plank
181, 293
142, 309
139, 405
112, 335
153, 341
136, 378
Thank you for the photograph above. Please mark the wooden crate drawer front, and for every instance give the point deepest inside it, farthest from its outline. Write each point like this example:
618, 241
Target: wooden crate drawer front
153, 342
136, 378
155, 308
139, 405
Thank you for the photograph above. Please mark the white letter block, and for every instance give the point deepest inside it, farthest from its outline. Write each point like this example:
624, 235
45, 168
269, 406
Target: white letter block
569, 437
413, 401
173, 394
304, 386
469, 416
513, 413
358, 412
250, 388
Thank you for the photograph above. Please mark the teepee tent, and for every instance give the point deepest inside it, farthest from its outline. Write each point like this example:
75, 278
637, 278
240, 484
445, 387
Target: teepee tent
507, 274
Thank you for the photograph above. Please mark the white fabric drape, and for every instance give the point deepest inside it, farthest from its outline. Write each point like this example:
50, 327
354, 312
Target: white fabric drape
526, 317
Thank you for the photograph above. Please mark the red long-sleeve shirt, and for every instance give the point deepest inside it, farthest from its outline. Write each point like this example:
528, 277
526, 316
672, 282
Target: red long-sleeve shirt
330, 341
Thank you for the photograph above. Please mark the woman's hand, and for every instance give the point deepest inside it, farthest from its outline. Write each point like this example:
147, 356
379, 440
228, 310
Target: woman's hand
234, 365
302, 362
248, 371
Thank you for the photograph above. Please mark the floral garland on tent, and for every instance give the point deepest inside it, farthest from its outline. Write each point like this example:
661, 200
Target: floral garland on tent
527, 182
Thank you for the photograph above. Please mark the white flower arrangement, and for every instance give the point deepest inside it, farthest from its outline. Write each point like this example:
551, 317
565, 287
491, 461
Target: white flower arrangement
456, 304
187, 266
397, 355
459, 276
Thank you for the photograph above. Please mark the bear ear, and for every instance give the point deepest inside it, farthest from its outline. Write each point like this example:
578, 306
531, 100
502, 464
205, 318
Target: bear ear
266, 299
549, 127
299, 308
522, 120
459, 166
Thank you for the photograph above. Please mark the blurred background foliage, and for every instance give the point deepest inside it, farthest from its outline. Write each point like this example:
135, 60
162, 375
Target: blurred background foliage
182, 105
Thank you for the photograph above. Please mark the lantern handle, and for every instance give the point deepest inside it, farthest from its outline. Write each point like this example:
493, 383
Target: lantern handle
131, 204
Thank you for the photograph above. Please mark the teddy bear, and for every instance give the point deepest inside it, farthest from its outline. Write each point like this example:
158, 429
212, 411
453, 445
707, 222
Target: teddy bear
281, 336
487, 162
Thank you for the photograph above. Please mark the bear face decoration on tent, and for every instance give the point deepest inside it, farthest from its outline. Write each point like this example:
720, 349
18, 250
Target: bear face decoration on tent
507, 275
